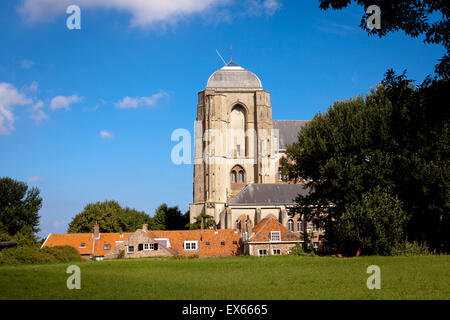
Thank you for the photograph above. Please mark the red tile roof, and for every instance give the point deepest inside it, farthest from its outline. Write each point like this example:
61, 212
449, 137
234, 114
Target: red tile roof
75, 240
210, 243
261, 231
224, 242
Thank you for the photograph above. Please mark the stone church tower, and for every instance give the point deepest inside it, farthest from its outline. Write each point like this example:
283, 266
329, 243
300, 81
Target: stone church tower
235, 144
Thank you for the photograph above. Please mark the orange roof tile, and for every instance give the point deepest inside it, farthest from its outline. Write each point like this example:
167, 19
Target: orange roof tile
266, 225
72, 239
75, 240
209, 242
108, 238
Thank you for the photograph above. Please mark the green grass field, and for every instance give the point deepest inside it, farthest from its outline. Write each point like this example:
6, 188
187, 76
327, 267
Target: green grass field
288, 277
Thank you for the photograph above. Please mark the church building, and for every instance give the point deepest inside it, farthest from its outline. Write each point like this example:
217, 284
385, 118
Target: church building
237, 151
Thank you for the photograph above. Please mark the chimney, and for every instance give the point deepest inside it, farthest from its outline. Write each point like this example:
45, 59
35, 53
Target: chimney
96, 230
145, 227
202, 225
121, 233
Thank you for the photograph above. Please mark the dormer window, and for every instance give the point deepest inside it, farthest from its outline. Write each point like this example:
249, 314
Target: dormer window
107, 246
83, 245
275, 236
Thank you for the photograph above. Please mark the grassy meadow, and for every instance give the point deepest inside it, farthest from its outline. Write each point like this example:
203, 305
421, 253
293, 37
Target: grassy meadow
279, 278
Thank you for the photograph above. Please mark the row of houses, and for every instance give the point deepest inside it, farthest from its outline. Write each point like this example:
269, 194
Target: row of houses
268, 237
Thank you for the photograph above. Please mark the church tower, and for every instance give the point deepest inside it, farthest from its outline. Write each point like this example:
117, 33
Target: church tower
234, 141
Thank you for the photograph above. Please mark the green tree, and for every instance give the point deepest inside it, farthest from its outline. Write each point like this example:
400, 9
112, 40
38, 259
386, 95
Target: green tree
376, 224
418, 17
26, 237
110, 216
169, 218
208, 222
397, 138
19, 206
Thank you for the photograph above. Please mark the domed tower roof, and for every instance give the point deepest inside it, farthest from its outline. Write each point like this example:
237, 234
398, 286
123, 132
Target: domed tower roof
233, 76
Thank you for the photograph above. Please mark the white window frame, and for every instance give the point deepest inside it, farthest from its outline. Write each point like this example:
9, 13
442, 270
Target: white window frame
300, 226
149, 247
128, 249
262, 255
187, 245
273, 251
291, 223
278, 233
106, 244
316, 245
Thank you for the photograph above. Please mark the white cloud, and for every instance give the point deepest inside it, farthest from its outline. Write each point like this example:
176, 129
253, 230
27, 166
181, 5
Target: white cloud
104, 134
35, 179
26, 64
37, 114
63, 102
143, 12
263, 7
135, 102
10, 97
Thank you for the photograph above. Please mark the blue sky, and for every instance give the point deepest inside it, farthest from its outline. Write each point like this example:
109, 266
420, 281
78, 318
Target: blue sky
87, 115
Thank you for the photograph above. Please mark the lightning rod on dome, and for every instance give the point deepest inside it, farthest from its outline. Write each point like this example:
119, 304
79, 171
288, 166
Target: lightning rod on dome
221, 57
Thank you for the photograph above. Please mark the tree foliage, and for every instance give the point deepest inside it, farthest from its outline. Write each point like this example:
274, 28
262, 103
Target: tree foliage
397, 138
414, 17
169, 218
376, 224
208, 222
19, 206
110, 216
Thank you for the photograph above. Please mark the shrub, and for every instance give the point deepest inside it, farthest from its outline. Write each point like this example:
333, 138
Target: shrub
33, 255
410, 249
63, 253
121, 254
194, 256
297, 250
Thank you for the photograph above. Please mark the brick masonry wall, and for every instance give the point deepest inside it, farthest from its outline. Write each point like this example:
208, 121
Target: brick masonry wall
284, 247
134, 240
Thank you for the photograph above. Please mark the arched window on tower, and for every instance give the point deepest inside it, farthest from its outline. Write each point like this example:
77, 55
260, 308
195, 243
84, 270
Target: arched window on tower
241, 176
238, 126
233, 177
237, 174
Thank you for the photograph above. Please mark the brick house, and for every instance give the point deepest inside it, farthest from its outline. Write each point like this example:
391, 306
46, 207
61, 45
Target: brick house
90, 245
204, 243
146, 243
268, 237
